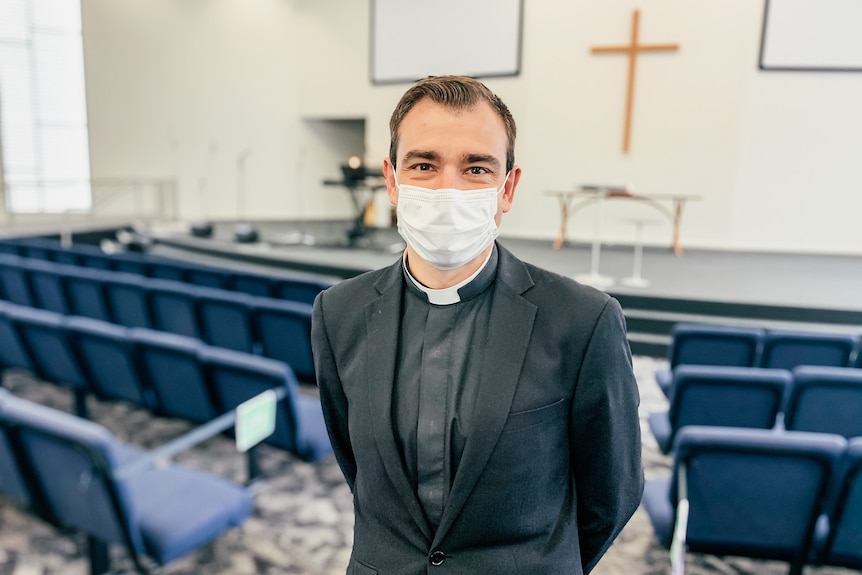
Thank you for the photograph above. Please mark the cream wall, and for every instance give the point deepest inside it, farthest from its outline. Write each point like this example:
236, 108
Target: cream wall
184, 86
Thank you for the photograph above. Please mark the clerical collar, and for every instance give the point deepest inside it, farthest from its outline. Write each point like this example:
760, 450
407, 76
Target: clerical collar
464, 290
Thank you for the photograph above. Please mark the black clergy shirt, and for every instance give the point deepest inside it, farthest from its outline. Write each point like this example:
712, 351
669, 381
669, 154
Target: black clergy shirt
440, 354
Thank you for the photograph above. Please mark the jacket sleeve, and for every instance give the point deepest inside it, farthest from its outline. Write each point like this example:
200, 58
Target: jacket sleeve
605, 440
332, 397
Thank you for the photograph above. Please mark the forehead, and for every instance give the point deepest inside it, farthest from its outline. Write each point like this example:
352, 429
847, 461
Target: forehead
445, 130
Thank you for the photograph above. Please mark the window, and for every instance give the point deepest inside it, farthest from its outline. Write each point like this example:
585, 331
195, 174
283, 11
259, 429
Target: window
45, 163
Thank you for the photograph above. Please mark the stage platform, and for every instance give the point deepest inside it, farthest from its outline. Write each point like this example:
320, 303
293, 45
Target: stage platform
820, 292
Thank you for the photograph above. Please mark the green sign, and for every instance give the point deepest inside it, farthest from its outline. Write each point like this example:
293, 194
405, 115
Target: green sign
255, 420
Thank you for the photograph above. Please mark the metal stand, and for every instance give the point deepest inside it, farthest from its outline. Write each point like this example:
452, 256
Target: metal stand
636, 280
594, 278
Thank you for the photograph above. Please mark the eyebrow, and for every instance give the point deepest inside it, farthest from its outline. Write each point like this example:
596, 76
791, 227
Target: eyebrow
466, 158
481, 159
421, 155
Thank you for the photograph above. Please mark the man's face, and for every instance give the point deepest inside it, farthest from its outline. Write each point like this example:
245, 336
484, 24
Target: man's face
439, 147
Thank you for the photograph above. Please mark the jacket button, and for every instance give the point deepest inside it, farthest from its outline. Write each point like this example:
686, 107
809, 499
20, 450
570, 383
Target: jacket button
437, 558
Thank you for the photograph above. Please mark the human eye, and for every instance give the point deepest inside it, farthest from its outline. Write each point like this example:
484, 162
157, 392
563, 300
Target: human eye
478, 170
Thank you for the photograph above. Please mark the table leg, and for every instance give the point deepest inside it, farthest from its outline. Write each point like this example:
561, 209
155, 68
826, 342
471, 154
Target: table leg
561, 237
677, 218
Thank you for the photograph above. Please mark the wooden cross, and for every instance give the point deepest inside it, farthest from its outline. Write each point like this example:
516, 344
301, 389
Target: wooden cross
632, 49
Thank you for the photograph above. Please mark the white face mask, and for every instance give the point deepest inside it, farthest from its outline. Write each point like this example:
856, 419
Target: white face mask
447, 227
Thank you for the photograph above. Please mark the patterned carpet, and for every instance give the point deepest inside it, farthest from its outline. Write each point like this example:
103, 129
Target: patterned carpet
302, 523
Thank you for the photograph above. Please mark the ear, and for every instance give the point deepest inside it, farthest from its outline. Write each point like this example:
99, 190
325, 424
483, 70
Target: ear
508, 195
391, 186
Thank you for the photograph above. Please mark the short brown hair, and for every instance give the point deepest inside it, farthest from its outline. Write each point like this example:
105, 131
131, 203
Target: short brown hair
456, 92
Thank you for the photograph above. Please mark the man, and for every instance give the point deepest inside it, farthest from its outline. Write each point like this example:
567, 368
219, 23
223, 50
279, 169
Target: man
482, 410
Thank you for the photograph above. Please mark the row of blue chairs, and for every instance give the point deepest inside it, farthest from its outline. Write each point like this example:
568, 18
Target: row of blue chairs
167, 374
740, 346
809, 398
298, 287
265, 326
793, 496
76, 475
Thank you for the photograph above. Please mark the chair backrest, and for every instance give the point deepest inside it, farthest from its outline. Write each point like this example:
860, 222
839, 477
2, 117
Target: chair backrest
208, 277
44, 335
130, 263
174, 307
127, 300
175, 373
66, 256
47, 285
12, 482
85, 289
844, 543
13, 354
300, 290
168, 270
252, 284
754, 493
72, 460
95, 259
109, 360
706, 344
11, 247
727, 396
225, 319
786, 349
826, 400
284, 329
14, 285
237, 377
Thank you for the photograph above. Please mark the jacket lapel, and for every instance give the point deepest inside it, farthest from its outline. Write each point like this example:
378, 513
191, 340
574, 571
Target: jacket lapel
382, 321
510, 329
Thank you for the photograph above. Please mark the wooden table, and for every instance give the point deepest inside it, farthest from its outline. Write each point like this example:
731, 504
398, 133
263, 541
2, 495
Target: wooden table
573, 200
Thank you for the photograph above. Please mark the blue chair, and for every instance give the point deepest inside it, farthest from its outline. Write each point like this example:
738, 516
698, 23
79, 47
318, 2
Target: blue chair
707, 344
208, 277
284, 329
10, 247
252, 284
109, 361
13, 354
172, 365
748, 492
130, 263
786, 349
127, 299
843, 545
12, 483
49, 345
168, 270
825, 400
300, 290
225, 319
66, 256
96, 259
114, 493
85, 289
47, 285
721, 396
174, 307
14, 285
237, 377
36, 251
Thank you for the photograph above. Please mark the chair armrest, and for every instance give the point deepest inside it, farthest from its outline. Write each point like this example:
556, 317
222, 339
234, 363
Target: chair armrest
187, 440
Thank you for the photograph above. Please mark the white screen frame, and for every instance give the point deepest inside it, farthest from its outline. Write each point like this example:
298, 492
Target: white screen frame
411, 40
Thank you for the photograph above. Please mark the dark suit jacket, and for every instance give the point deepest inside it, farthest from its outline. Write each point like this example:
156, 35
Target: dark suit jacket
556, 472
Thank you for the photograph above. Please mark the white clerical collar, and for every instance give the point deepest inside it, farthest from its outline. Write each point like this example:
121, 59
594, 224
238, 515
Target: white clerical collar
444, 296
